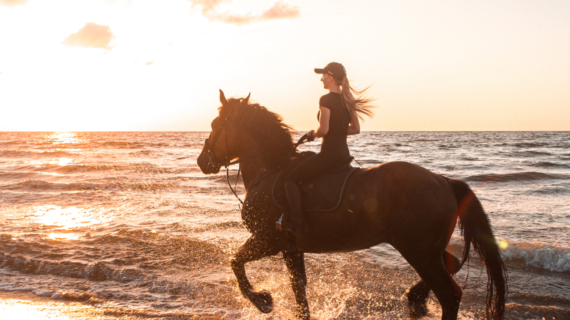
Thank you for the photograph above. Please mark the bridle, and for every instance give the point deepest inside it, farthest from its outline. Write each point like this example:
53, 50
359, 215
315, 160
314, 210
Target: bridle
214, 160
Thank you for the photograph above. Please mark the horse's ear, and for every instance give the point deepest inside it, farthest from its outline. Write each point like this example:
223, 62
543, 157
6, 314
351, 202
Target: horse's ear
223, 99
246, 100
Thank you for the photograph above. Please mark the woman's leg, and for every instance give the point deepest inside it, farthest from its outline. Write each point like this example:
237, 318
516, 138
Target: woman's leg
307, 170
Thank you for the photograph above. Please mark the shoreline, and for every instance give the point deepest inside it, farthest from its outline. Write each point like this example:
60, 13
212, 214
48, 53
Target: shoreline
24, 305
27, 306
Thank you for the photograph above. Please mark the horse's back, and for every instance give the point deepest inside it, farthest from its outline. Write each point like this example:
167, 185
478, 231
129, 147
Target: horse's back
420, 202
380, 204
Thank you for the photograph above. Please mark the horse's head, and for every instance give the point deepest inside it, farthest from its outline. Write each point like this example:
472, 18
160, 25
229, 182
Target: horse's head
222, 146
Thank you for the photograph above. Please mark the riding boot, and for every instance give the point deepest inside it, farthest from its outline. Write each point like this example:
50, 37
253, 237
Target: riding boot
295, 221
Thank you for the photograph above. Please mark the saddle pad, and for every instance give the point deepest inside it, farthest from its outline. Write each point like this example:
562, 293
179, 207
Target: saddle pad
323, 194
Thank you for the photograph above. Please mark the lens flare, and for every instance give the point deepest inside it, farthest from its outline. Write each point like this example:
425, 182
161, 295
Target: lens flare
503, 244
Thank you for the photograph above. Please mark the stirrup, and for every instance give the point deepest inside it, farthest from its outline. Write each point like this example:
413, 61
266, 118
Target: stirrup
296, 230
279, 222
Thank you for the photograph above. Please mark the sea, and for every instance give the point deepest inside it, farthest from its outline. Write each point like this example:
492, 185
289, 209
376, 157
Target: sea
127, 222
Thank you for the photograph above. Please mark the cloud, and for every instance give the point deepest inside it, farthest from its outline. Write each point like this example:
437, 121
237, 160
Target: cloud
149, 63
12, 3
91, 35
279, 10
207, 5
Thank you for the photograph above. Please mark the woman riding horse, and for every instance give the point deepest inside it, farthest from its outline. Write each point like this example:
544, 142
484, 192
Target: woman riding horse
338, 117
399, 203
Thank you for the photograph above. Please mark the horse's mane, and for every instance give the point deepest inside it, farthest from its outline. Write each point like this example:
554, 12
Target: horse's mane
264, 126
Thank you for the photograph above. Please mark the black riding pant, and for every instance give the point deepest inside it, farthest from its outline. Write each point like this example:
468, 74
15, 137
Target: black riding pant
318, 164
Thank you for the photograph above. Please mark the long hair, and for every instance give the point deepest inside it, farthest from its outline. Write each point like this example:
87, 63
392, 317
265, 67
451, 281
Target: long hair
360, 104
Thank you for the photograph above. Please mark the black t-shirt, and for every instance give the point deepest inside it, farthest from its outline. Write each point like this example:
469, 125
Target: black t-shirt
338, 122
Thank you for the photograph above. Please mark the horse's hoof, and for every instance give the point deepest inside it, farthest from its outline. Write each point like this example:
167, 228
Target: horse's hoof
303, 316
262, 301
417, 310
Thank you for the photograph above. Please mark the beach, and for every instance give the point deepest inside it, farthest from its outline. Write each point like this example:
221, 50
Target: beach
27, 306
98, 225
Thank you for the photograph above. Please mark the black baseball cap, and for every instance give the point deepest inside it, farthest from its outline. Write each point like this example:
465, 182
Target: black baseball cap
335, 69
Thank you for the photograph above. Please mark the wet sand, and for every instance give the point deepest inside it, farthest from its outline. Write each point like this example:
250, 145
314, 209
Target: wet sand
24, 306
27, 306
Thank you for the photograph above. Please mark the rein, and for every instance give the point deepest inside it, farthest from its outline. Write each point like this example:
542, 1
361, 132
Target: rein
237, 177
212, 157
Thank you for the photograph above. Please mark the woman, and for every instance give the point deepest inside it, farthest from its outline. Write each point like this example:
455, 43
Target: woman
338, 117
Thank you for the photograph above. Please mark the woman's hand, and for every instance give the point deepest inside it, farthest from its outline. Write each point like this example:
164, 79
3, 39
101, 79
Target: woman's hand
311, 135
354, 126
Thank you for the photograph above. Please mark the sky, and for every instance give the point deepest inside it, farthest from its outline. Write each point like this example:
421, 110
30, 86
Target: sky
147, 65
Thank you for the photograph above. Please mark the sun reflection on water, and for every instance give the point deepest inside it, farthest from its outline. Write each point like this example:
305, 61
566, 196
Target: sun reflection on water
67, 223
63, 138
63, 236
62, 161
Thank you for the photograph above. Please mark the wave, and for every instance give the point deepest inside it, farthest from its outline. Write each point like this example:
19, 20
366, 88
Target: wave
551, 190
97, 260
122, 144
32, 154
127, 268
133, 145
423, 140
533, 254
42, 185
529, 153
546, 164
447, 146
18, 175
510, 177
74, 168
530, 144
539, 255
519, 311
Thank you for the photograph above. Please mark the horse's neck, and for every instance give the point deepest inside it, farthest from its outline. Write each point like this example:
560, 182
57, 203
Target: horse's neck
252, 163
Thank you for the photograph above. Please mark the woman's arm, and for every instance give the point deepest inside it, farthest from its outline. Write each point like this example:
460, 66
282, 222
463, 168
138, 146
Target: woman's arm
354, 126
323, 123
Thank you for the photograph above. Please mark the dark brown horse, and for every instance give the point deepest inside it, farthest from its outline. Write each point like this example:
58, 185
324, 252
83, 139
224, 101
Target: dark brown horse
398, 203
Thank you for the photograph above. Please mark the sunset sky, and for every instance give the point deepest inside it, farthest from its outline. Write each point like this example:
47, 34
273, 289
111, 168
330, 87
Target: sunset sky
100, 65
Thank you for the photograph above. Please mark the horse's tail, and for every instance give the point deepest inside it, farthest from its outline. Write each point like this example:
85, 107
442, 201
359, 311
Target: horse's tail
476, 230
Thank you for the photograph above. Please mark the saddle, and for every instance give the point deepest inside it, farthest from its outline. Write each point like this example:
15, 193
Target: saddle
323, 194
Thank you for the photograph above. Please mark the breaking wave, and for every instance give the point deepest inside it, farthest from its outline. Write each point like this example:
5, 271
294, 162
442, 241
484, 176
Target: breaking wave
532, 254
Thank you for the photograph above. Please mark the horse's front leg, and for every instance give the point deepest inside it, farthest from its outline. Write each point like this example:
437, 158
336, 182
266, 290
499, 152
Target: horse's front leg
253, 249
295, 262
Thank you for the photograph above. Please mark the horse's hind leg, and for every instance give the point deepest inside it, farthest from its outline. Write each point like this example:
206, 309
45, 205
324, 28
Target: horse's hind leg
434, 273
253, 249
417, 295
295, 262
